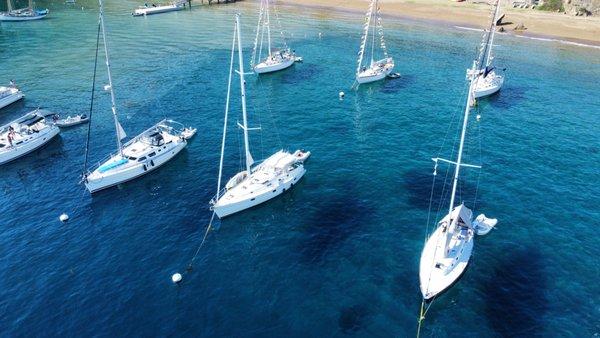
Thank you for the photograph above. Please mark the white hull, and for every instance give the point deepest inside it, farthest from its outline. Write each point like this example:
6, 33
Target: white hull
157, 10
5, 101
226, 209
434, 279
38, 15
46, 135
110, 179
263, 67
376, 72
488, 85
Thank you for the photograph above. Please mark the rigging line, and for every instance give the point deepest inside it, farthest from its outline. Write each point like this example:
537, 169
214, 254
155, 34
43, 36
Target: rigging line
89, 126
480, 161
269, 110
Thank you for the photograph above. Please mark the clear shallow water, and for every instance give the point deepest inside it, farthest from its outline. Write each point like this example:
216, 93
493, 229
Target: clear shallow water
337, 255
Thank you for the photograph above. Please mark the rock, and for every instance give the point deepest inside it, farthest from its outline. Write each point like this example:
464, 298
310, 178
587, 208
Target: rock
520, 27
501, 29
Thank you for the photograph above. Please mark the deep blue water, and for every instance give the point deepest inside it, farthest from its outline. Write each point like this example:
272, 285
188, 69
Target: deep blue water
338, 255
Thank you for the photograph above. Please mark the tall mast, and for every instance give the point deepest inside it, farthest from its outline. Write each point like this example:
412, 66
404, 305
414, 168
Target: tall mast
249, 160
30, 5
227, 108
460, 147
493, 33
365, 36
458, 162
268, 27
373, 33
9, 5
118, 127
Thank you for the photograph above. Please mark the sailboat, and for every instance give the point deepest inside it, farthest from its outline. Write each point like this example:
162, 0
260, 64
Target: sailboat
141, 155
26, 134
276, 59
10, 94
376, 70
488, 81
23, 14
448, 250
255, 184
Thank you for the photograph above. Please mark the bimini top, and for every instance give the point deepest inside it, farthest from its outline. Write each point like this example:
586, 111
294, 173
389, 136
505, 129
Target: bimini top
280, 160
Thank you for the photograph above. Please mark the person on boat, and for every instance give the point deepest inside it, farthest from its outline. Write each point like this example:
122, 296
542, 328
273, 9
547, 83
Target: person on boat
153, 5
10, 136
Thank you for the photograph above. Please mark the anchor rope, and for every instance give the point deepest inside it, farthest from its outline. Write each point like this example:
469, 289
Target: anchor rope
208, 228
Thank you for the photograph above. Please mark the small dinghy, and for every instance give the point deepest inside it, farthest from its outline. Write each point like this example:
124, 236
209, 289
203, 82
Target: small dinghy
188, 133
70, 121
301, 155
393, 75
298, 59
483, 225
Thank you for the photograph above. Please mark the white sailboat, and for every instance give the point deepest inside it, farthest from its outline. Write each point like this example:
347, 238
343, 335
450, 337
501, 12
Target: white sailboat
9, 95
23, 14
26, 134
257, 183
377, 69
141, 155
276, 59
487, 81
447, 252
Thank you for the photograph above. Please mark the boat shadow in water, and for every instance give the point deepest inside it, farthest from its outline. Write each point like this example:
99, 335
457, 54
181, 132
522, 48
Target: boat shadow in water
515, 294
392, 86
507, 97
417, 183
293, 75
353, 318
331, 224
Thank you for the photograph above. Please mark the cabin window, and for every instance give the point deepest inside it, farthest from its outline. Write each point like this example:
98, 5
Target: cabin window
132, 158
141, 158
151, 154
252, 199
274, 190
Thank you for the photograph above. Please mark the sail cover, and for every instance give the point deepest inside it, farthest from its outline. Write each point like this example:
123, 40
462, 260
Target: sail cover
120, 131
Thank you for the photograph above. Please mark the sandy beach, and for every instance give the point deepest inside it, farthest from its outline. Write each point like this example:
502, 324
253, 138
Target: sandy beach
475, 14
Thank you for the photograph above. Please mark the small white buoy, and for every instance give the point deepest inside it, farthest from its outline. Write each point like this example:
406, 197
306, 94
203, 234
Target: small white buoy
478, 117
320, 35
176, 278
342, 94
63, 218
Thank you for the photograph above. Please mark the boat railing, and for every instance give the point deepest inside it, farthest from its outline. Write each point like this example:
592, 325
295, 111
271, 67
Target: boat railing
165, 124
214, 199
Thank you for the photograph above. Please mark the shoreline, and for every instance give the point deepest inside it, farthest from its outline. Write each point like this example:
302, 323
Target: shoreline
577, 31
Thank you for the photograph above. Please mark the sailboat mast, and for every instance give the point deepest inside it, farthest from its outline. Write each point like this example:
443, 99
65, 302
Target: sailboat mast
226, 109
461, 145
268, 27
30, 5
493, 33
373, 33
363, 41
243, 89
9, 6
110, 85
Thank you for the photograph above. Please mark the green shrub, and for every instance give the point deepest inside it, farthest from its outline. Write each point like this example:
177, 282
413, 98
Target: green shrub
552, 5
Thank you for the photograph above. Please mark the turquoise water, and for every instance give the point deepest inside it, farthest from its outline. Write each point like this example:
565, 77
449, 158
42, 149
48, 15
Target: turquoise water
338, 255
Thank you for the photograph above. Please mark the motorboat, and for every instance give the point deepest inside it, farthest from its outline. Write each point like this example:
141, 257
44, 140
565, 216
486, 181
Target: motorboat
154, 9
71, 121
